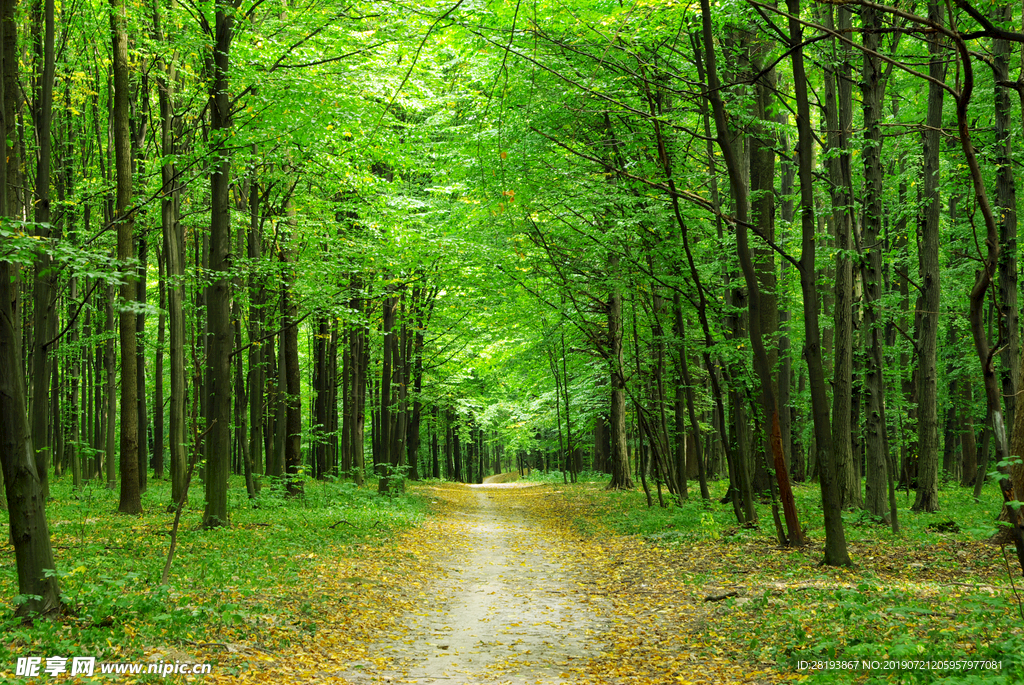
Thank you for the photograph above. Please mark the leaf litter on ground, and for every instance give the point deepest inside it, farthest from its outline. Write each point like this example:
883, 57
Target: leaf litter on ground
668, 595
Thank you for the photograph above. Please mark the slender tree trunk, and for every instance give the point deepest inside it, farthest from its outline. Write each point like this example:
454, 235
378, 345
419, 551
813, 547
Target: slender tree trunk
174, 255
110, 377
321, 380
384, 460
616, 355
158, 370
873, 88
838, 117
257, 377
927, 409
1006, 211
293, 389
218, 295
130, 502
761, 361
140, 362
836, 553
969, 466
23, 491
44, 296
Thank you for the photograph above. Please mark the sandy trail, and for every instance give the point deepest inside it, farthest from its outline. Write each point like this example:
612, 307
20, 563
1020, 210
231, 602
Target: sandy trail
508, 610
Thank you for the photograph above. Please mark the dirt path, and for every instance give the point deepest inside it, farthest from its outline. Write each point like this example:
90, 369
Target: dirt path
510, 609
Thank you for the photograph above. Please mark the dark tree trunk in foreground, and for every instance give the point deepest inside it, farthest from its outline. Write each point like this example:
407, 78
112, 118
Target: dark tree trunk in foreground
26, 505
130, 502
218, 301
873, 87
1006, 208
44, 296
836, 553
928, 304
174, 256
838, 116
25, 502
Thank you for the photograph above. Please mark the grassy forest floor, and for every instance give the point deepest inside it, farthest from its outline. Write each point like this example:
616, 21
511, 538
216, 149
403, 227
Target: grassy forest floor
346, 586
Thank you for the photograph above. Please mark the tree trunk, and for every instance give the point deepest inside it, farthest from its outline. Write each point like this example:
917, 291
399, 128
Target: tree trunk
158, 370
218, 295
761, 362
927, 498
838, 116
292, 425
130, 502
969, 466
24, 497
616, 356
873, 88
140, 361
687, 383
174, 255
384, 460
836, 553
44, 296
257, 377
26, 505
1006, 211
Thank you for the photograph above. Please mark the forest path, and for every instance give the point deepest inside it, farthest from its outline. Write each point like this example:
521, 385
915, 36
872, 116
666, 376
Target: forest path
511, 607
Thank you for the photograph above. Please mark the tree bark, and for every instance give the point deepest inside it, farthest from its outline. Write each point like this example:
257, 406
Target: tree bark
616, 355
1006, 209
158, 369
140, 362
836, 553
218, 295
174, 255
927, 498
761, 362
26, 506
292, 424
44, 296
873, 89
838, 118
24, 497
130, 502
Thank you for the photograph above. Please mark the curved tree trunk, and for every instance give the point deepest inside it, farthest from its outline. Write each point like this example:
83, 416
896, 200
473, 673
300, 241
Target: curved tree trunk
761, 362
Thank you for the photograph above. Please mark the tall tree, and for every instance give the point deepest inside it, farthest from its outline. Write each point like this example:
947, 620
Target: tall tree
26, 505
44, 295
836, 553
927, 498
877, 444
742, 206
130, 502
218, 300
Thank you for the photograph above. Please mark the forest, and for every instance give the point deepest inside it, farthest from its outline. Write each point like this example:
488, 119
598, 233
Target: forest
751, 259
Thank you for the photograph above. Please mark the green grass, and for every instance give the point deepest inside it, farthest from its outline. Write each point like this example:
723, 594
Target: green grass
110, 564
929, 592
